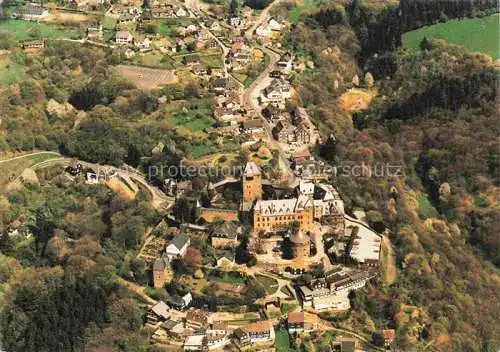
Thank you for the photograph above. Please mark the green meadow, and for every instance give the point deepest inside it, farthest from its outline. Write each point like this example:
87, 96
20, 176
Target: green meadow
22, 30
474, 34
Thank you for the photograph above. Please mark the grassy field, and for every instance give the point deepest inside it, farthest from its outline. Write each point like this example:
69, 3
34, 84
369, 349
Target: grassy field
11, 72
474, 34
156, 60
227, 277
21, 30
108, 22
195, 116
282, 341
270, 285
301, 6
425, 208
9, 170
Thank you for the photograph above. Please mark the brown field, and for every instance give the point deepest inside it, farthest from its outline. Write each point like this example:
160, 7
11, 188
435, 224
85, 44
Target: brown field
147, 78
120, 187
356, 99
67, 17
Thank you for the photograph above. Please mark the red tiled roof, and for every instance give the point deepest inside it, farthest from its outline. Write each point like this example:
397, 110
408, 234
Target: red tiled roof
389, 334
295, 317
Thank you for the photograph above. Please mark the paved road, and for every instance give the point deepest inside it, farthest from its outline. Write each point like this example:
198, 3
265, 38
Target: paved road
29, 154
159, 199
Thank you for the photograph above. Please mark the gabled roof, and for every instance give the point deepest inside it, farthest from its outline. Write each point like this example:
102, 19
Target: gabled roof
263, 326
251, 169
253, 123
228, 254
161, 264
179, 241
295, 317
389, 334
227, 229
161, 309
123, 34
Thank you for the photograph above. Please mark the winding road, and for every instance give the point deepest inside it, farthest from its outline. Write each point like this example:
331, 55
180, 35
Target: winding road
159, 200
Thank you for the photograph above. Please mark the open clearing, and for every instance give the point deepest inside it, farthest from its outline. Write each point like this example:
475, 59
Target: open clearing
67, 17
12, 168
474, 34
388, 261
21, 30
118, 186
147, 78
11, 72
356, 99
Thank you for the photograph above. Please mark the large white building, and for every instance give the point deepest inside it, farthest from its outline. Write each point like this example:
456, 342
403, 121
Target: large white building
178, 246
331, 292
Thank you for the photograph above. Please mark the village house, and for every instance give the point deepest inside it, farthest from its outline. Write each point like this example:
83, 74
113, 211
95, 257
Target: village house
236, 22
191, 29
344, 344
274, 25
275, 94
253, 126
320, 297
240, 59
212, 24
216, 337
211, 44
95, 33
197, 318
241, 338
33, 44
162, 272
389, 336
181, 12
263, 30
331, 291
225, 114
302, 160
142, 42
302, 134
285, 62
302, 322
158, 313
126, 18
238, 43
257, 54
260, 332
180, 303
199, 70
284, 132
219, 85
177, 247
31, 12
194, 343
224, 257
123, 38
224, 235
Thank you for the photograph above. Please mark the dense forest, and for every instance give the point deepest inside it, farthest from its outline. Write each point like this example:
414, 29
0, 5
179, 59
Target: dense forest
68, 295
436, 118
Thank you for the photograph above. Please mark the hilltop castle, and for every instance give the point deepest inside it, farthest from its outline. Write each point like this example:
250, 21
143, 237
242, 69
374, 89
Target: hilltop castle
311, 202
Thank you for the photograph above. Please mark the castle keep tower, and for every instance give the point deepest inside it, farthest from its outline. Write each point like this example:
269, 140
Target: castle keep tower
252, 182
300, 244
